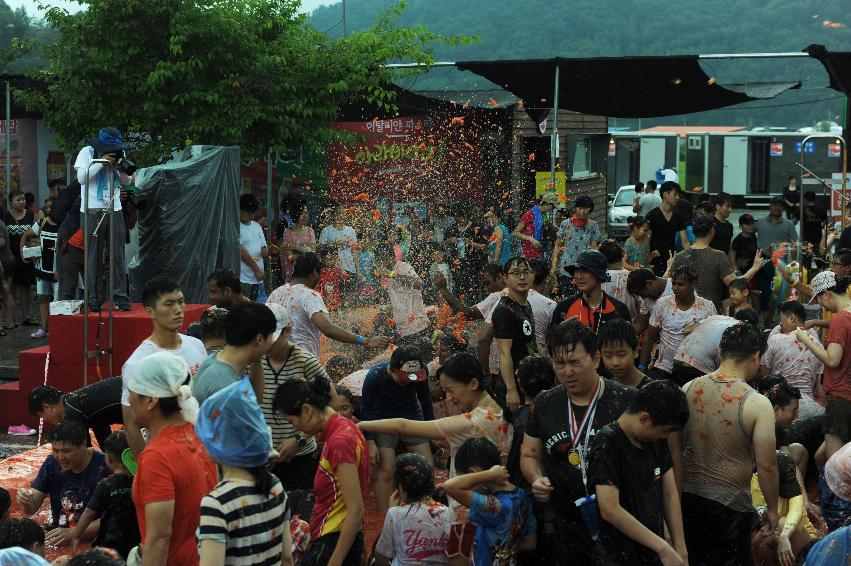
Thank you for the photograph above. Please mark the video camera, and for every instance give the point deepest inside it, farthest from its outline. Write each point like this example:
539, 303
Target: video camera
123, 163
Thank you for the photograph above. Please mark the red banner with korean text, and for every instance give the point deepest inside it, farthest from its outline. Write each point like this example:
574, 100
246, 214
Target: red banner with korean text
427, 159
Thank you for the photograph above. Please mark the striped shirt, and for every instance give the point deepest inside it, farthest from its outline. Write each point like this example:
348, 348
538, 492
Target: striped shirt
300, 364
249, 523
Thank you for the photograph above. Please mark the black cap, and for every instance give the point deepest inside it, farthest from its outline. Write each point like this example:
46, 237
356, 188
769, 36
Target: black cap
746, 219
777, 200
593, 261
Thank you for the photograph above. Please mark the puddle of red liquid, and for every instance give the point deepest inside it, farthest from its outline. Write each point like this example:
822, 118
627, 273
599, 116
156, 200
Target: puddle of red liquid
18, 472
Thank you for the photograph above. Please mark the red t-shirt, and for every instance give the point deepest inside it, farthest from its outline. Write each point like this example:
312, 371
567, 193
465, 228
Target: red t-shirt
174, 466
329, 286
837, 381
343, 444
529, 250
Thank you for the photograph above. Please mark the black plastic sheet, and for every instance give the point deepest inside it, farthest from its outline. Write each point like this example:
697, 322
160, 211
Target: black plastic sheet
627, 87
189, 222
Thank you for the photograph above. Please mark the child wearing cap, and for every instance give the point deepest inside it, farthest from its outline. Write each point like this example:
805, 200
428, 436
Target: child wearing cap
395, 389
245, 518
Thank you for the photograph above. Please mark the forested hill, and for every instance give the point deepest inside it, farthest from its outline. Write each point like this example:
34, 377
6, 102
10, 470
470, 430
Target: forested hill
583, 28
588, 28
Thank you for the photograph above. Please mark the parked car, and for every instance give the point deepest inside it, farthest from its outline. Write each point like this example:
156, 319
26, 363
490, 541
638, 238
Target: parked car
619, 210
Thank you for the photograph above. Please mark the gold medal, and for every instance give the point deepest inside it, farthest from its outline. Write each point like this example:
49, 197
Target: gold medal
573, 457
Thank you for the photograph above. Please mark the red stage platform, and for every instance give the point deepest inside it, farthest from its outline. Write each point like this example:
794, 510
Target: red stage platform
65, 344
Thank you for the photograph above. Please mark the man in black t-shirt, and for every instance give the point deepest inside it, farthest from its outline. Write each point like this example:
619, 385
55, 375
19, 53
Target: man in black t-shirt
812, 223
558, 436
665, 223
631, 469
514, 326
96, 406
723, 206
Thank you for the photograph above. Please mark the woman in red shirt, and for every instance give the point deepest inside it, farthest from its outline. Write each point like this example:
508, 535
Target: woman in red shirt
174, 472
342, 477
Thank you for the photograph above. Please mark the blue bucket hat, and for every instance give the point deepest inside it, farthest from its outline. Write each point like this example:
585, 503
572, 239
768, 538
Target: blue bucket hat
231, 427
108, 140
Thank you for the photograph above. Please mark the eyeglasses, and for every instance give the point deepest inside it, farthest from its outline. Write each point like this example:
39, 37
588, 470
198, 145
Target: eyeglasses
520, 274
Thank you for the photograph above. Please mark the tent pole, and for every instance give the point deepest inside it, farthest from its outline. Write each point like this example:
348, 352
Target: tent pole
786, 55
554, 146
8, 139
754, 55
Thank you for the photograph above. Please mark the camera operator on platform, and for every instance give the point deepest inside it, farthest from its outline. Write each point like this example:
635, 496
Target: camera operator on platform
108, 145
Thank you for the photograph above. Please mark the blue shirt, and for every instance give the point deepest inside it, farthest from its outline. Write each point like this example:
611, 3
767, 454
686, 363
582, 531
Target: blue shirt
383, 397
69, 492
502, 521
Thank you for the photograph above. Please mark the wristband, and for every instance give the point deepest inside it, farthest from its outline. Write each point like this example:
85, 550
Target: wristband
642, 366
361, 340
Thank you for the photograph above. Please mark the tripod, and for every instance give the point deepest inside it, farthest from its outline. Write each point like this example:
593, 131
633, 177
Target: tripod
106, 214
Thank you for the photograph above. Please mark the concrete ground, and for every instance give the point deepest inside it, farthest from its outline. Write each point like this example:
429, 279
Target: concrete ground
12, 445
16, 340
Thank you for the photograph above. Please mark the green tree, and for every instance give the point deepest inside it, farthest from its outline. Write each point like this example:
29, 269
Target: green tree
251, 73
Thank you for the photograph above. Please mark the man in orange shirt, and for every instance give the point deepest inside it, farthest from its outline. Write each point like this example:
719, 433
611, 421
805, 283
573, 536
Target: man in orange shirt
174, 471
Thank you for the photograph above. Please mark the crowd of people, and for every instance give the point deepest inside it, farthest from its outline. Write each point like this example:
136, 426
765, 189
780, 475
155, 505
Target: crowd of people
500, 390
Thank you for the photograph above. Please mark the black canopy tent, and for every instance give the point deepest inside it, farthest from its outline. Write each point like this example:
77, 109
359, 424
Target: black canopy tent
623, 87
641, 87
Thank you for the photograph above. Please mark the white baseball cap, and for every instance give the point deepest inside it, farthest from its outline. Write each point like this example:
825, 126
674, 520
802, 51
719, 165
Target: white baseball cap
822, 282
282, 318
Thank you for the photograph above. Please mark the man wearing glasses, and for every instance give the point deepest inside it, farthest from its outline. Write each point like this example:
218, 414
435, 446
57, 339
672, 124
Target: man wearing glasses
514, 327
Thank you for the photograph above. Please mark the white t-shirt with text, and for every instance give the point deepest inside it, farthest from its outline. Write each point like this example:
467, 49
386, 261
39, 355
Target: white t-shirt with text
415, 534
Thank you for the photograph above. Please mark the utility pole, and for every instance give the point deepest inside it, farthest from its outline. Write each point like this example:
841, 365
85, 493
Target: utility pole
344, 18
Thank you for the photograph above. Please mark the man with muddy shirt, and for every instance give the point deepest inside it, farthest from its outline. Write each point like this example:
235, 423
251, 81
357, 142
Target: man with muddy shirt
730, 428
559, 434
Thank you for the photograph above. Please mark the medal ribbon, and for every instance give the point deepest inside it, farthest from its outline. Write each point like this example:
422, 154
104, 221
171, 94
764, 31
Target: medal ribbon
586, 425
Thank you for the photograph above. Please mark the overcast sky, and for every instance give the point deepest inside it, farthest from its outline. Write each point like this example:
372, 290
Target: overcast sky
32, 5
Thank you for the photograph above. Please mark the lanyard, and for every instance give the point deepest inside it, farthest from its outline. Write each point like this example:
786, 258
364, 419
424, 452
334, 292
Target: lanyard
586, 424
592, 312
